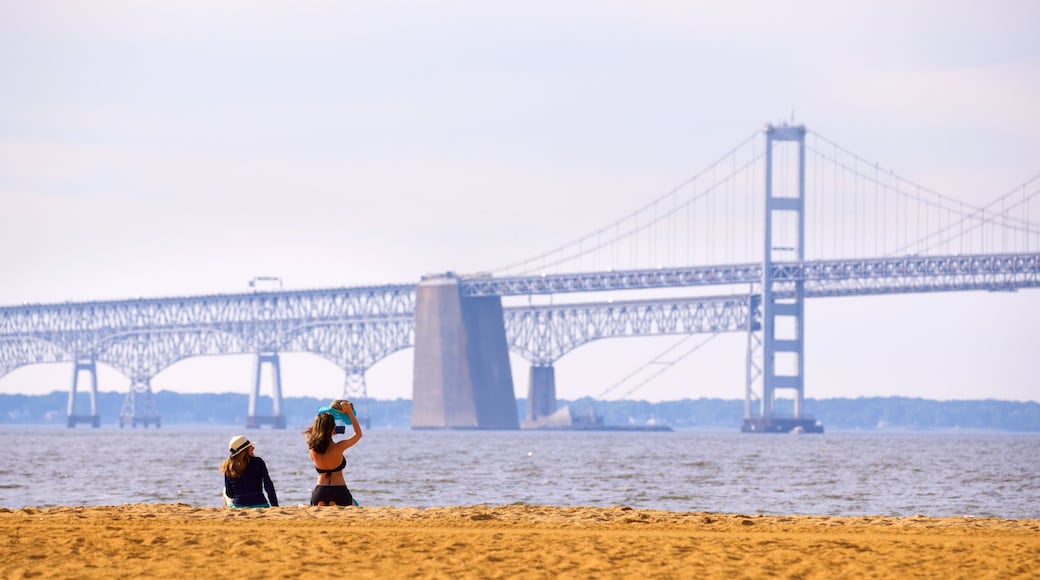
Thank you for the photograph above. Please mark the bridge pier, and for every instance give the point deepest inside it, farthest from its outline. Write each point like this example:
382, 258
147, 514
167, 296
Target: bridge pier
139, 405
541, 393
88, 365
275, 419
355, 390
462, 378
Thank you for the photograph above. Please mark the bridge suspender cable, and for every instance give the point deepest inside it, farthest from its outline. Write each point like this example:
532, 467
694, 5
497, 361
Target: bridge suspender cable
662, 366
617, 223
975, 216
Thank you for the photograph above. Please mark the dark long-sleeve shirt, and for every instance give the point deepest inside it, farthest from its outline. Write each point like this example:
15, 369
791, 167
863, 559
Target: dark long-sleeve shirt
246, 490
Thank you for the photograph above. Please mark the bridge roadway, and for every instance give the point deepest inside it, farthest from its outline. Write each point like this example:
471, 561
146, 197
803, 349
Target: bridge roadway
357, 327
897, 275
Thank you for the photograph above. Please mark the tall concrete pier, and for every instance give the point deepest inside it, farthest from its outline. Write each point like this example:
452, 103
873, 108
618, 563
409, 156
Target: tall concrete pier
541, 393
462, 378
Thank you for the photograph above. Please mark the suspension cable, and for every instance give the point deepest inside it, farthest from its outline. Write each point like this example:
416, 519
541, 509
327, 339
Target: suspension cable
618, 222
655, 361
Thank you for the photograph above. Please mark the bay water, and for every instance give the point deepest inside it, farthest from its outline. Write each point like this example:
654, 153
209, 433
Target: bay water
843, 474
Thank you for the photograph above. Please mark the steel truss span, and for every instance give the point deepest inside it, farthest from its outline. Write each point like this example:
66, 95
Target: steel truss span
356, 327
18, 351
908, 275
543, 334
142, 337
895, 275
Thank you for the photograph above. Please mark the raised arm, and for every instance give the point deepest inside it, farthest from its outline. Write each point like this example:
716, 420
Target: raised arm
347, 408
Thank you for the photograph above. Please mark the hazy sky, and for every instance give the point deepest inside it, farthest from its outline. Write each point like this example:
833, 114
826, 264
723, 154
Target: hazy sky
170, 148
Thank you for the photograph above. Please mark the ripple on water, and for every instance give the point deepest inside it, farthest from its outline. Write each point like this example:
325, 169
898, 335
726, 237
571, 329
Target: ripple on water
988, 475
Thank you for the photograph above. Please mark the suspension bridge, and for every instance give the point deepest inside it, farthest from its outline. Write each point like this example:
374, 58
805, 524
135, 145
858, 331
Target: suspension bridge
785, 216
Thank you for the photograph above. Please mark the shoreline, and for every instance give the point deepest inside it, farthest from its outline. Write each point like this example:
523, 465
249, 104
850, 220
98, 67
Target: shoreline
481, 541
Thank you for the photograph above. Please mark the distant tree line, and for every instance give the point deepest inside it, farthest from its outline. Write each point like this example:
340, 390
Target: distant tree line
864, 413
844, 414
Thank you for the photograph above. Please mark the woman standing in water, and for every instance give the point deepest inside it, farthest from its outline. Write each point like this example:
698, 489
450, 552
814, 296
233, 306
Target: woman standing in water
327, 455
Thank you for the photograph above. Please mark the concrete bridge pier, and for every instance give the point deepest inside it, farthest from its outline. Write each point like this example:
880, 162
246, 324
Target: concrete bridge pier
462, 378
89, 366
276, 419
541, 393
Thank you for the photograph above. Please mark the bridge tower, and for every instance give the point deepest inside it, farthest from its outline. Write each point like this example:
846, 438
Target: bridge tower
139, 404
778, 356
276, 419
89, 366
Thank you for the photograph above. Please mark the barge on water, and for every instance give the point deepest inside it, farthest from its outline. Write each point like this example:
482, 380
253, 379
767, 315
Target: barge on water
780, 425
568, 419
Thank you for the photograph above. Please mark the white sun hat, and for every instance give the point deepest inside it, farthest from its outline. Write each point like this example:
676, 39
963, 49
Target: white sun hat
238, 444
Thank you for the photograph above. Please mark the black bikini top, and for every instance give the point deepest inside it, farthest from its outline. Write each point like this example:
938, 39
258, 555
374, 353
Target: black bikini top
329, 472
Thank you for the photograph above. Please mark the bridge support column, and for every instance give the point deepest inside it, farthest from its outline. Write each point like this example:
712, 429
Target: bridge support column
541, 392
276, 420
462, 378
139, 405
355, 390
783, 303
88, 365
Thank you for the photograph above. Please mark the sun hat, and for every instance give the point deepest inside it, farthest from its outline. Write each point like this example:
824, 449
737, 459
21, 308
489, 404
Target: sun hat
238, 444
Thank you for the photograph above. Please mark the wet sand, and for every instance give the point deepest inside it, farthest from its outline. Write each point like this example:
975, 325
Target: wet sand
516, 541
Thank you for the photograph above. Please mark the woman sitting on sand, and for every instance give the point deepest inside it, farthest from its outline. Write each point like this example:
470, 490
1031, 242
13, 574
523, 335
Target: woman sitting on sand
244, 476
327, 455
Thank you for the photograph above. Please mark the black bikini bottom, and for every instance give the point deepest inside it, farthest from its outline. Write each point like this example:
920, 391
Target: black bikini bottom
332, 495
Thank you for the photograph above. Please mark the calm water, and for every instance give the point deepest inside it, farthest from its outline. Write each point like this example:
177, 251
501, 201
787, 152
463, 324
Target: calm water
832, 474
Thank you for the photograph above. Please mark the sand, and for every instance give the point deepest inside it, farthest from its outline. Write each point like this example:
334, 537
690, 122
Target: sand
515, 541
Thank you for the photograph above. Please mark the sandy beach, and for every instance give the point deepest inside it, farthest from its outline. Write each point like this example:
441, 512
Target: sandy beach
515, 541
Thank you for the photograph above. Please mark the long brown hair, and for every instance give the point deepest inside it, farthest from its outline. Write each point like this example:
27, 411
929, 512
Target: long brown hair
234, 467
319, 434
